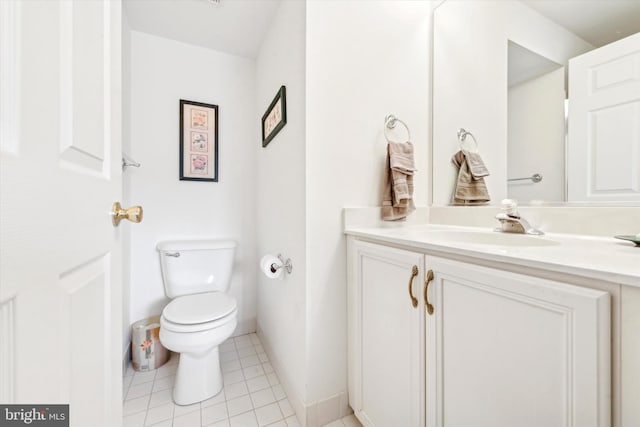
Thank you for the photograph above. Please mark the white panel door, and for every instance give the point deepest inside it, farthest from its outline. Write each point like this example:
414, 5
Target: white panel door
508, 350
386, 336
60, 284
604, 123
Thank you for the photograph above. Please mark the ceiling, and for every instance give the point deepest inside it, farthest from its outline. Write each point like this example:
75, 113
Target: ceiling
598, 22
233, 26
238, 26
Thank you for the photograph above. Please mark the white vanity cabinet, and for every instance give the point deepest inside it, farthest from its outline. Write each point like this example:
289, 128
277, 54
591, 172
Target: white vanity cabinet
499, 349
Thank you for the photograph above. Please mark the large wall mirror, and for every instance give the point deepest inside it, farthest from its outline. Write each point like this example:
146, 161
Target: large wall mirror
546, 87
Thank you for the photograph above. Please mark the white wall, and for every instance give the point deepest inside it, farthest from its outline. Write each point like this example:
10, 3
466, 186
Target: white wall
470, 80
280, 184
163, 72
536, 138
364, 60
374, 61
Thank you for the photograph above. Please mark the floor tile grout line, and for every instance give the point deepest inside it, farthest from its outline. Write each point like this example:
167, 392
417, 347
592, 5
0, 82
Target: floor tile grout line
247, 342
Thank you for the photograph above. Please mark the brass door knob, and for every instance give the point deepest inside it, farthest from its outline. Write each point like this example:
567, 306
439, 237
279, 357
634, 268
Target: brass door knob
133, 214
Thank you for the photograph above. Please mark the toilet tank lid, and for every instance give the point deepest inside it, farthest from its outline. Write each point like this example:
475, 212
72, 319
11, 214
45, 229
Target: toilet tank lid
192, 245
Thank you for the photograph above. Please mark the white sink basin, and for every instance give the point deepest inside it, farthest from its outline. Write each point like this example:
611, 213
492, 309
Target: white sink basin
487, 238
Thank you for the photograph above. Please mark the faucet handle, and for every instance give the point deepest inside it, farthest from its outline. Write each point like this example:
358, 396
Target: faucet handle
510, 208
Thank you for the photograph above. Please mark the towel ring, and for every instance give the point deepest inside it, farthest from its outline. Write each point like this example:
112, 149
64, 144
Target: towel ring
390, 123
462, 136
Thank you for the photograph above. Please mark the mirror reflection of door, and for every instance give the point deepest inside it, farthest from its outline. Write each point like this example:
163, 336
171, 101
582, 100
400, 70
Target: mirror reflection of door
604, 116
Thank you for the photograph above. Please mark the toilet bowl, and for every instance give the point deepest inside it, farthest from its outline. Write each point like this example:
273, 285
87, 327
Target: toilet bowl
195, 326
200, 316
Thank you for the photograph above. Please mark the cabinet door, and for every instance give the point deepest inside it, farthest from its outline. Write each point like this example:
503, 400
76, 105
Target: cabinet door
386, 336
508, 350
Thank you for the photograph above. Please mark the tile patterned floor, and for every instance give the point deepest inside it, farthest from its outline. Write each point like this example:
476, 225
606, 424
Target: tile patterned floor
349, 421
252, 394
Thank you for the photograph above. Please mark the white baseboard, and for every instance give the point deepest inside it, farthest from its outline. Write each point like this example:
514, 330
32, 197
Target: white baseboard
325, 411
246, 326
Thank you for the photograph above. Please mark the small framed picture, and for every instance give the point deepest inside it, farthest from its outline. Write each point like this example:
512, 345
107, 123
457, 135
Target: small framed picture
275, 117
198, 141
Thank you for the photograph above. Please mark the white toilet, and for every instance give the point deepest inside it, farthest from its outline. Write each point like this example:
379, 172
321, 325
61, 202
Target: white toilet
200, 316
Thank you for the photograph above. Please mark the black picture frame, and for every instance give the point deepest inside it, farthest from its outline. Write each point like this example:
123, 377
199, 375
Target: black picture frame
275, 118
198, 141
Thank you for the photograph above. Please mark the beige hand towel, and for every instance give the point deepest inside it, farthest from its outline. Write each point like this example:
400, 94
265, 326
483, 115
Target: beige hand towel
401, 157
397, 197
402, 167
476, 165
470, 186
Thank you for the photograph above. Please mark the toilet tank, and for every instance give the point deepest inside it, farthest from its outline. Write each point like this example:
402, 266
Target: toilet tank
196, 266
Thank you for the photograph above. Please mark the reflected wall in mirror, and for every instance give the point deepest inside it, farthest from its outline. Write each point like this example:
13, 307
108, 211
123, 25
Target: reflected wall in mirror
504, 70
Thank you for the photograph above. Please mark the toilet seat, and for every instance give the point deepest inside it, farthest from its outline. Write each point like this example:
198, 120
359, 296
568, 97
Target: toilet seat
197, 327
197, 312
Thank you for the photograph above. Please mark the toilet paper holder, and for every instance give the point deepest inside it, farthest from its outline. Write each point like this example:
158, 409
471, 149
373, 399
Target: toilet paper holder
286, 264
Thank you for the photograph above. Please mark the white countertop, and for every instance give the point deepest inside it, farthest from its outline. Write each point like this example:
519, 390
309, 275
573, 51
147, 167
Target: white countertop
599, 258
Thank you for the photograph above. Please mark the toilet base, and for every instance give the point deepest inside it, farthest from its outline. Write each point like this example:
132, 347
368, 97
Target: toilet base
198, 377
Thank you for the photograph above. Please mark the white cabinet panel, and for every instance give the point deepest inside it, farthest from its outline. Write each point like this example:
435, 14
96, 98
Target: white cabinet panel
386, 336
505, 349
630, 356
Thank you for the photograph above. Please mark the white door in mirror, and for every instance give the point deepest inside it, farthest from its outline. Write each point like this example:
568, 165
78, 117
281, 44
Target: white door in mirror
604, 115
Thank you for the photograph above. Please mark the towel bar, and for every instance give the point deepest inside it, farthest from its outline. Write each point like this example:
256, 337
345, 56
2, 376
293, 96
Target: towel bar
536, 177
390, 123
128, 161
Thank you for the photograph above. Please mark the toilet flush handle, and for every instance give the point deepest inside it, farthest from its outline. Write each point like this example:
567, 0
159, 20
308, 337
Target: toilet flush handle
173, 254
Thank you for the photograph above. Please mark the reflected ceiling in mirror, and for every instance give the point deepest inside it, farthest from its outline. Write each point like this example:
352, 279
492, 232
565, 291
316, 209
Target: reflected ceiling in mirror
501, 71
525, 65
598, 22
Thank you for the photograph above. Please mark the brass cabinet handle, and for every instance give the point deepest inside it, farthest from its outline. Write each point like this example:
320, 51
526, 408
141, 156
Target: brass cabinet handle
133, 214
427, 280
414, 273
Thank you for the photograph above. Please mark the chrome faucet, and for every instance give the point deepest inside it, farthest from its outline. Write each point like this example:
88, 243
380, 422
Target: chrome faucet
512, 222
